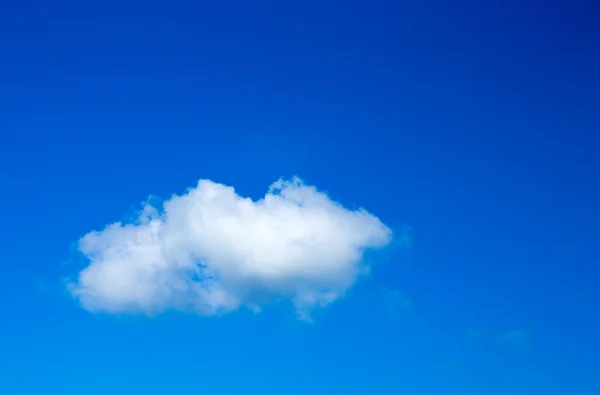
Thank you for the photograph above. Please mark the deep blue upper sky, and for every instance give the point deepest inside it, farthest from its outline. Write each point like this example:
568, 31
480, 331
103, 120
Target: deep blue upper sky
477, 125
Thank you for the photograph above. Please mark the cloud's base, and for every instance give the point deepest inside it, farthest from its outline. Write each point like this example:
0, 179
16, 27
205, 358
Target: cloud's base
212, 251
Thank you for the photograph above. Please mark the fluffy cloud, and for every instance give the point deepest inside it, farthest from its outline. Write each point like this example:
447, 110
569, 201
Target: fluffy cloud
212, 251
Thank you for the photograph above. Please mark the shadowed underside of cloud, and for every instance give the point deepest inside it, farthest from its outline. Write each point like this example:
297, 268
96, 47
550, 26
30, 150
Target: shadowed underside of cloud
212, 251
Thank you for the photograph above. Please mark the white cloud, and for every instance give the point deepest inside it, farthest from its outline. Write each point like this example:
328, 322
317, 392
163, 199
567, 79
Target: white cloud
212, 251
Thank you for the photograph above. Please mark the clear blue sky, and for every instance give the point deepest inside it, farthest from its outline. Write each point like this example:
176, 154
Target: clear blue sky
476, 125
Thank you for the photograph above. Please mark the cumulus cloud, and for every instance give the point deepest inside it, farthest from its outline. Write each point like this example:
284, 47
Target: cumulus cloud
212, 251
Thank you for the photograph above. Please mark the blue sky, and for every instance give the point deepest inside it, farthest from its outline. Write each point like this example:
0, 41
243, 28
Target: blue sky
474, 125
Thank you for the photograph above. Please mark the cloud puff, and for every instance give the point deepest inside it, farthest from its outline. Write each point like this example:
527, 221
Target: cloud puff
212, 251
